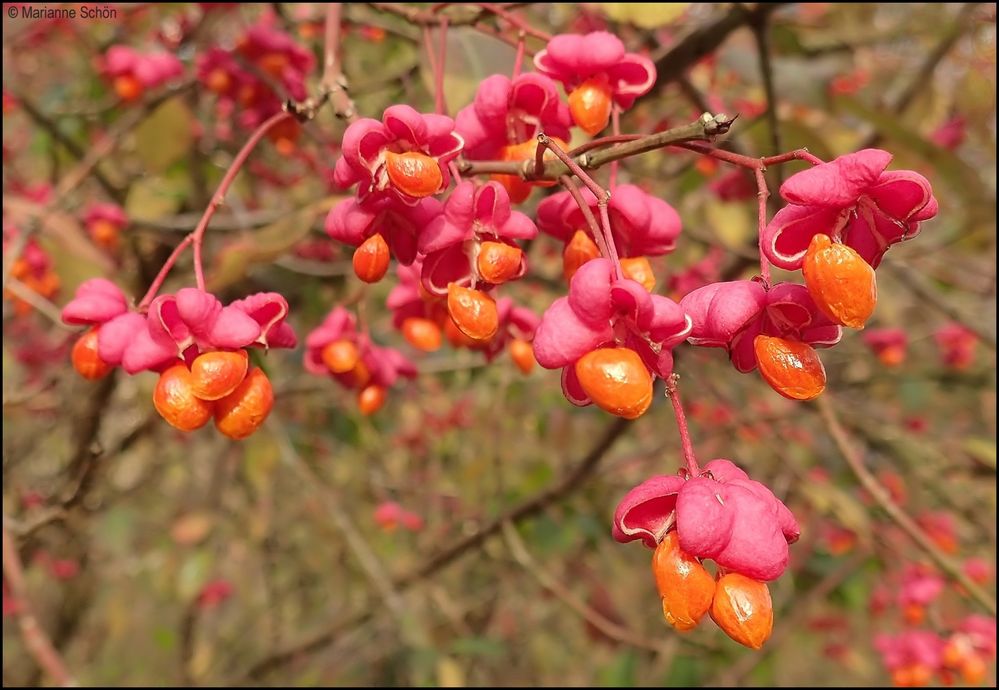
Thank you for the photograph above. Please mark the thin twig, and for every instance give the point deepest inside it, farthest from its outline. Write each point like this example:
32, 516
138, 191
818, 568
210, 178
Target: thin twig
35, 639
707, 128
522, 511
897, 515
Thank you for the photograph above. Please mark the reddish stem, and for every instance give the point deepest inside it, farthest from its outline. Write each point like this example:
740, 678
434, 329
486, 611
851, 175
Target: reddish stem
518, 61
219, 198
164, 270
197, 237
591, 220
514, 20
608, 236
602, 195
439, 102
616, 124
762, 194
598, 191
673, 393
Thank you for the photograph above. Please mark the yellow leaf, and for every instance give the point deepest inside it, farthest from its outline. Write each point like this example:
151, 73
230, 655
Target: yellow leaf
450, 673
645, 15
730, 222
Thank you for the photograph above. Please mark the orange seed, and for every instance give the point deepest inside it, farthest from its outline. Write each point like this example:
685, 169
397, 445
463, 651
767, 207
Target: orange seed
743, 609
686, 587
791, 367
242, 412
616, 380
473, 312
842, 284
215, 375
371, 259
176, 402
590, 105
498, 262
86, 361
413, 173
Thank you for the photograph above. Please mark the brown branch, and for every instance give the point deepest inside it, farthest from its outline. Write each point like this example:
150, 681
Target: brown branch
74, 149
897, 515
527, 509
549, 582
925, 72
707, 128
916, 282
705, 40
35, 639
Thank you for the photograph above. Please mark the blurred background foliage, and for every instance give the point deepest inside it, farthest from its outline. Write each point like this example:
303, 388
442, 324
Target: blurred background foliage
157, 557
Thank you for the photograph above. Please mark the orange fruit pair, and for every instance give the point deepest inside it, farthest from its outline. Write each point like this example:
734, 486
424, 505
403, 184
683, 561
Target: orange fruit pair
739, 605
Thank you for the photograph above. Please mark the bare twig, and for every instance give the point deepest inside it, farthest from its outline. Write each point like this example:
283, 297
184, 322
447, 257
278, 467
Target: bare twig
525, 510
897, 515
35, 639
707, 128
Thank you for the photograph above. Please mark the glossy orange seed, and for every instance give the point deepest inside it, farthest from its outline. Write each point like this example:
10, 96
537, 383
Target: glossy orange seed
176, 402
590, 105
86, 361
686, 587
522, 354
580, 249
242, 412
128, 88
640, 270
371, 399
792, 368
616, 380
340, 356
413, 173
498, 262
743, 609
215, 375
371, 259
423, 334
473, 312
842, 284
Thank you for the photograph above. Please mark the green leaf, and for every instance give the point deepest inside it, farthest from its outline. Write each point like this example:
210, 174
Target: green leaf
620, 673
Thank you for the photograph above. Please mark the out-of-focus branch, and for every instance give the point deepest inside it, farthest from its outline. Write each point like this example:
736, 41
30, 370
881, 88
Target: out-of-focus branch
918, 284
549, 582
74, 149
35, 639
704, 40
527, 509
922, 76
897, 515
